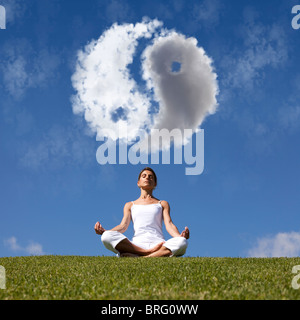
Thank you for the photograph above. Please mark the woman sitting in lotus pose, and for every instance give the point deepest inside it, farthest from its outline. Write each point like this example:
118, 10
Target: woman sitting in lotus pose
147, 214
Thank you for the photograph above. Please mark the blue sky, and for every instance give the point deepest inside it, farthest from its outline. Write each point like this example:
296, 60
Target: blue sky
53, 190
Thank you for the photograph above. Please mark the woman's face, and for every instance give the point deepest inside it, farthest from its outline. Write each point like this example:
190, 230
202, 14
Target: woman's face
147, 180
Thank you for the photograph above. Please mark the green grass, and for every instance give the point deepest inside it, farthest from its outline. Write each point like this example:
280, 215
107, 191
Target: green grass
81, 277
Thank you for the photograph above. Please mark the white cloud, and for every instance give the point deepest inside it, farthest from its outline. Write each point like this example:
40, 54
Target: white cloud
114, 10
103, 82
15, 76
15, 9
207, 13
186, 96
33, 248
26, 68
264, 46
109, 96
58, 147
12, 243
283, 244
259, 52
289, 117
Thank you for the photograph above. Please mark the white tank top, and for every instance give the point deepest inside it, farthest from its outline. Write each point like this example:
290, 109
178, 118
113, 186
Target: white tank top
147, 221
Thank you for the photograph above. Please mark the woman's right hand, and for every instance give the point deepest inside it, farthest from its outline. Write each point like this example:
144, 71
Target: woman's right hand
98, 228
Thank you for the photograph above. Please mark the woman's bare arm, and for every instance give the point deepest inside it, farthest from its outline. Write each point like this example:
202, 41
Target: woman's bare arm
170, 226
123, 226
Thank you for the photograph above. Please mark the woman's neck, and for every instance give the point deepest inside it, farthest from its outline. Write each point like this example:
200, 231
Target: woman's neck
146, 194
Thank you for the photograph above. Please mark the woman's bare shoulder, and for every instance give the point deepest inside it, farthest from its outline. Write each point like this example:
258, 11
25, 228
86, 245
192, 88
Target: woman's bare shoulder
164, 203
128, 205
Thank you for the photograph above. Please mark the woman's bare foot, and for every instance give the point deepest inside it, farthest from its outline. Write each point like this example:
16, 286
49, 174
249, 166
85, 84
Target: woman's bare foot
156, 248
162, 252
129, 255
144, 254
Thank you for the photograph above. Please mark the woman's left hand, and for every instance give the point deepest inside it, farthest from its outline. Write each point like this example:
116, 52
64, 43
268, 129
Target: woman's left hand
185, 233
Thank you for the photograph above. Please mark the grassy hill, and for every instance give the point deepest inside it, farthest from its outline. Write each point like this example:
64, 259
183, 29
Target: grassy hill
111, 278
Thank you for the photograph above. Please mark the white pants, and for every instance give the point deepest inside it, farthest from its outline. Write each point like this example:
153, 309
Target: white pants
176, 245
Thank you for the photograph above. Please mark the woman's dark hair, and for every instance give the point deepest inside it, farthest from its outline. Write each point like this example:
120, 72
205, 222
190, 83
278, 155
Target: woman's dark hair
149, 169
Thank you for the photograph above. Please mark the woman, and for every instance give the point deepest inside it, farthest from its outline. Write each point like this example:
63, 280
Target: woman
146, 213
